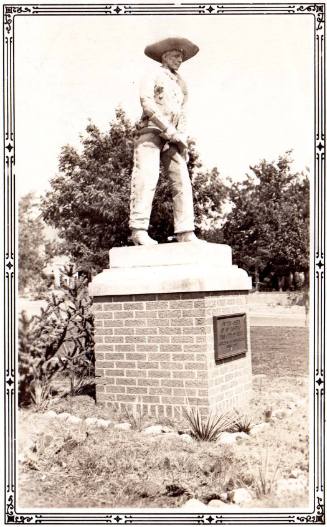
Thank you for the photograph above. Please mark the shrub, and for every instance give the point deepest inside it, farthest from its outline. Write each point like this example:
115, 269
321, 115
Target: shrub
59, 339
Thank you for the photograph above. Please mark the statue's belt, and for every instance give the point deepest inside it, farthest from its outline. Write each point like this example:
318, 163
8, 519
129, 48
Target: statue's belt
157, 131
148, 130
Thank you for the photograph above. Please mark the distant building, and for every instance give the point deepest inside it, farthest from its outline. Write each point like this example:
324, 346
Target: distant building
53, 270
55, 275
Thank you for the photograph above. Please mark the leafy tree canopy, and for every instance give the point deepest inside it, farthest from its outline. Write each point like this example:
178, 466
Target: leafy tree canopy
34, 250
268, 226
88, 202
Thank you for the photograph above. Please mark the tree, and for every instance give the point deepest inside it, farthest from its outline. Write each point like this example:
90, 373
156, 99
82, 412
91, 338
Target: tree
268, 227
89, 200
34, 251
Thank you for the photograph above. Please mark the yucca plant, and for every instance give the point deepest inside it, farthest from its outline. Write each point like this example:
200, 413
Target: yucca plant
207, 428
40, 393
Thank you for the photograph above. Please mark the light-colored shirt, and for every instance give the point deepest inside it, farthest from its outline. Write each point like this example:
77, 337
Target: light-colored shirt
163, 96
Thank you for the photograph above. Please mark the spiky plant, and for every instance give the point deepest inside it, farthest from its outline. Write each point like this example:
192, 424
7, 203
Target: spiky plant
241, 423
40, 393
207, 428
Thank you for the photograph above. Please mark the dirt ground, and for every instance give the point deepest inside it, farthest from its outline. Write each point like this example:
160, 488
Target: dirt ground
63, 465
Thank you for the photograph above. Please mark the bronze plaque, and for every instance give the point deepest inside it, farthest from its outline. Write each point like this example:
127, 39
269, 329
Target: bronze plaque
230, 336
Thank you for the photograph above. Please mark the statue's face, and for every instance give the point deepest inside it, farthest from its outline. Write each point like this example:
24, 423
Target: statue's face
172, 59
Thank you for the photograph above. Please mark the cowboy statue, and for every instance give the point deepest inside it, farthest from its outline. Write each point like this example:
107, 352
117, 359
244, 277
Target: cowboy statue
161, 136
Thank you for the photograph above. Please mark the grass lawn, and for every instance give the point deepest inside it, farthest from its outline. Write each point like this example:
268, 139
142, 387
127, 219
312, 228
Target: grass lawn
66, 465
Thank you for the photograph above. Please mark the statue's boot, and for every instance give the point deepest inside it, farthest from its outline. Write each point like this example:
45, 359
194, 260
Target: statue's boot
187, 237
141, 237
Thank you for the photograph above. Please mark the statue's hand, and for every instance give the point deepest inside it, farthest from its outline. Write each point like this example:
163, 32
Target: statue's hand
183, 151
169, 133
173, 136
179, 139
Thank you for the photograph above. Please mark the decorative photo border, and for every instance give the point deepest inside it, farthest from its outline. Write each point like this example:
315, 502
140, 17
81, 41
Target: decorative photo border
12, 514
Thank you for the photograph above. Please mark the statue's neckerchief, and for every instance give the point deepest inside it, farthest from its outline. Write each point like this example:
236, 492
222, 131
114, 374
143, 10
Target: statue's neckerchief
175, 76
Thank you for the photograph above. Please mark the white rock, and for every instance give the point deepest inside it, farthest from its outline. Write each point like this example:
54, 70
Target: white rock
91, 422
187, 438
290, 486
103, 423
227, 438
123, 426
154, 429
194, 505
240, 496
63, 416
256, 429
74, 420
218, 504
166, 429
50, 414
21, 457
297, 473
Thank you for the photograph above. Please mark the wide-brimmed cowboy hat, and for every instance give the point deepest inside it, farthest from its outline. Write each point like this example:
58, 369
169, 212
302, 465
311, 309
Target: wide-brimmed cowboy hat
156, 50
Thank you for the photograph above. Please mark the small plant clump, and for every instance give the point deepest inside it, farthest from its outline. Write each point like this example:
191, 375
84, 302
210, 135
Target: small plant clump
242, 423
135, 416
207, 428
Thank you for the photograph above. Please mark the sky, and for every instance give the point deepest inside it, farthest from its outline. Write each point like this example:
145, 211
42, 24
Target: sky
251, 86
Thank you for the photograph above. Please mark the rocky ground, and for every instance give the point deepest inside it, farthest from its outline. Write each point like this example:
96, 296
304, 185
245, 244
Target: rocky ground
78, 454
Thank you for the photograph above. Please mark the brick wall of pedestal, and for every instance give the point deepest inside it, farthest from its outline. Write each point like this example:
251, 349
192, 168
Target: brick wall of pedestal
156, 350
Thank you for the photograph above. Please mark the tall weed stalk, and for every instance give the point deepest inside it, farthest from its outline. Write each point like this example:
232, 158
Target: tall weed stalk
266, 476
135, 415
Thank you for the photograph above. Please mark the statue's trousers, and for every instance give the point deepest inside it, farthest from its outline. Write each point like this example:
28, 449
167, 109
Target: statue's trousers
147, 154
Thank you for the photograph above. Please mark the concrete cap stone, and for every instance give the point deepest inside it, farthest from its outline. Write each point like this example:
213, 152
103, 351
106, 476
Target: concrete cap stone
170, 268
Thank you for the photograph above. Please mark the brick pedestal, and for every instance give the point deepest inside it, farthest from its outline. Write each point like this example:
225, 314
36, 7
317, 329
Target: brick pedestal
156, 350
